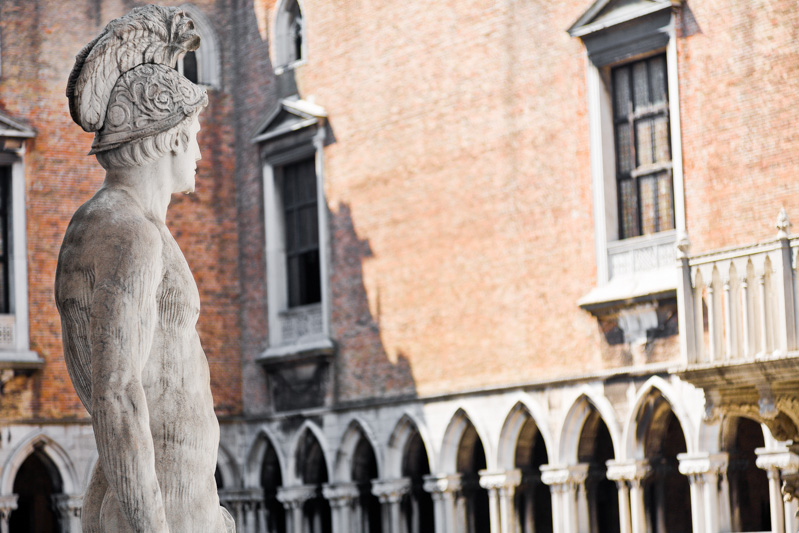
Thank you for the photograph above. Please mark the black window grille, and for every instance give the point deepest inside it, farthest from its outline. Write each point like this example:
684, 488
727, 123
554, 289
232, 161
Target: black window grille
5, 218
643, 147
301, 233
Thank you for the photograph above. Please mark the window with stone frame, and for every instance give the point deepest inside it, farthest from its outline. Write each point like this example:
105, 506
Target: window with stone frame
643, 149
633, 105
290, 33
202, 66
301, 225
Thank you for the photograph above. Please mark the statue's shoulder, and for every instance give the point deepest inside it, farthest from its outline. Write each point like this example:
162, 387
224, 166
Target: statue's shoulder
113, 221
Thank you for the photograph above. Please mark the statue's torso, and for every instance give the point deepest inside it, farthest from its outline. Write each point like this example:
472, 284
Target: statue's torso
175, 377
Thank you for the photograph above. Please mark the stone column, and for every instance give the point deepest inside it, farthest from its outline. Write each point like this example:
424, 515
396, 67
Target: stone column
501, 487
244, 505
390, 493
629, 477
342, 497
444, 490
705, 472
293, 498
567, 484
782, 467
8, 503
68, 507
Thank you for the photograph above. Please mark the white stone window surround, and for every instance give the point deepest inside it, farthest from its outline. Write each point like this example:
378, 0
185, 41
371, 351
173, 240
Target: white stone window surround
304, 329
635, 33
281, 48
15, 350
208, 63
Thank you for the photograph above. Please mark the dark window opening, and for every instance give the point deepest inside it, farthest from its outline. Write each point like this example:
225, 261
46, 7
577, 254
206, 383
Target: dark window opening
643, 147
295, 33
301, 233
5, 218
190, 67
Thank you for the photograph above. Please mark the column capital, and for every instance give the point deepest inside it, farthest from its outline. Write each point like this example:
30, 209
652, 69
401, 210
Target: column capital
634, 471
8, 503
572, 475
245, 496
293, 497
500, 479
694, 464
340, 494
67, 504
391, 490
784, 460
446, 484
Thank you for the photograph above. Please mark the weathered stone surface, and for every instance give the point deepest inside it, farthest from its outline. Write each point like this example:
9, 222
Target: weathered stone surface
128, 301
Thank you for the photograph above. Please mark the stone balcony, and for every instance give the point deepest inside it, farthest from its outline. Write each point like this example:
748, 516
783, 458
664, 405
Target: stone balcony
738, 330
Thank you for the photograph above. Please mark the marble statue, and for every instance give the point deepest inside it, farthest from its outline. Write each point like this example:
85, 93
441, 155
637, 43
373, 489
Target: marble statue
127, 299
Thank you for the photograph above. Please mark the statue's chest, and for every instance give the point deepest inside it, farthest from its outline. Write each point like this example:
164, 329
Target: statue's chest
178, 297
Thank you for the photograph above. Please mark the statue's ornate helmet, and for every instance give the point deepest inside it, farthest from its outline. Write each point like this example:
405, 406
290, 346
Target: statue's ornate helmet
124, 86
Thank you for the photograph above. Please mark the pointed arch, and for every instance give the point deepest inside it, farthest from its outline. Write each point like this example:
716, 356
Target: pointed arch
291, 473
404, 429
38, 441
518, 416
208, 63
255, 457
356, 430
228, 468
634, 429
458, 424
575, 419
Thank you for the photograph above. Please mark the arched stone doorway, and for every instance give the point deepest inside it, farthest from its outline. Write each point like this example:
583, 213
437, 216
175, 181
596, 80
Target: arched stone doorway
473, 503
667, 500
417, 505
312, 470
274, 515
363, 472
749, 492
35, 484
595, 449
533, 499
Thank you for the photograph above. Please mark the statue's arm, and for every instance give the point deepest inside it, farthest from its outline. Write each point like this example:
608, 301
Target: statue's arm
123, 315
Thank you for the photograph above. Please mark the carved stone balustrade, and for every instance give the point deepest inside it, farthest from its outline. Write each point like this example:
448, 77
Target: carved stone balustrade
738, 330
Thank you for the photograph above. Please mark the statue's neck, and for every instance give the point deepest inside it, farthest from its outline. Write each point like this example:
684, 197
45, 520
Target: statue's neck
149, 185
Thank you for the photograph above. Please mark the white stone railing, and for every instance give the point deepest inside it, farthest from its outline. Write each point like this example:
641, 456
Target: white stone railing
739, 304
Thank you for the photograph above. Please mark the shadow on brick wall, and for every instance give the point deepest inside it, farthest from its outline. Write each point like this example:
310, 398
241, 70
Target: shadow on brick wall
364, 367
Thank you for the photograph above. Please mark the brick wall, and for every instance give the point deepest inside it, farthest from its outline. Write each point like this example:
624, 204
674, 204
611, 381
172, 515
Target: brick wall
738, 83
39, 41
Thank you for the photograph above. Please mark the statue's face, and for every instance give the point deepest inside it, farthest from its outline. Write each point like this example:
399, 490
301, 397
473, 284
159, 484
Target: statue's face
184, 162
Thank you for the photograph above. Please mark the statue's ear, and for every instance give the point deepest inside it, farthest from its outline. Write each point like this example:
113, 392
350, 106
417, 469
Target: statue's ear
175, 144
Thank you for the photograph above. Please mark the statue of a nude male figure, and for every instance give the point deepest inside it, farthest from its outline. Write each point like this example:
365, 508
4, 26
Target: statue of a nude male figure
128, 301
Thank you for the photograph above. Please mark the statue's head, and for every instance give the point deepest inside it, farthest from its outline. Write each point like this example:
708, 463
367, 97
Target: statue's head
124, 88
149, 115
